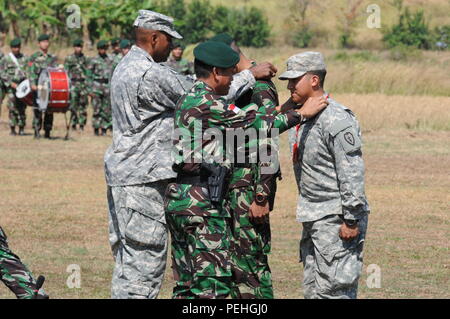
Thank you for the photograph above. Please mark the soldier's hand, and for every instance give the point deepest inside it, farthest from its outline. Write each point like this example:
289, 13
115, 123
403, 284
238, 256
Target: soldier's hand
348, 233
33, 87
14, 85
259, 212
264, 70
313, 106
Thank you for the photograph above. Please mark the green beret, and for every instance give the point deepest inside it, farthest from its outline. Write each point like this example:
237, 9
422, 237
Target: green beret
102, 44
77, 43
216, 54
115, 41
124, 43
178, 44
43, 37
15, 43
222, 37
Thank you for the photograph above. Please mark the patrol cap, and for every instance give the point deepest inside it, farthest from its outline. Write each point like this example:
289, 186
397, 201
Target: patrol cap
15, 43
124, 43
77, 43
102, 44
302, 63
43, 37
216, 54
222, 37
156, 21
115, 41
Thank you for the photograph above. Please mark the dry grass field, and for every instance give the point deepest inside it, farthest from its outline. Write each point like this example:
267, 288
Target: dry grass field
53, 203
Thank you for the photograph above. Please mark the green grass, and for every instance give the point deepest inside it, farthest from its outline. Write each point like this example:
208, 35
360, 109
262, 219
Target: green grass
54, 209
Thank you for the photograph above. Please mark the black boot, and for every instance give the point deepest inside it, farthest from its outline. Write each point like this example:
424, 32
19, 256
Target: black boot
81, 128
21, 131
13, 131
37, 134
47, 134
96, 132
74, 127
104, 131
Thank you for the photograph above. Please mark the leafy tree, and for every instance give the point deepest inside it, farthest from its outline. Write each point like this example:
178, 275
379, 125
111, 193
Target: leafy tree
197, 21
411, 30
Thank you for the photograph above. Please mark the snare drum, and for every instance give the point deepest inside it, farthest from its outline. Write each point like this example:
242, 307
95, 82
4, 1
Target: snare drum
53, 90
24, 93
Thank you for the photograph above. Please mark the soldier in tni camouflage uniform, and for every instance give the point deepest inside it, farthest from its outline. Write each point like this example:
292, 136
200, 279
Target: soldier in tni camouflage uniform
76, 66
99, 76
12, 73
329, 169
15, 275
200, 229
176, 61
37, 62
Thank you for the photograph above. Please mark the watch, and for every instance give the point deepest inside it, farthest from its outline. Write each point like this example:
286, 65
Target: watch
351, 222
260, 199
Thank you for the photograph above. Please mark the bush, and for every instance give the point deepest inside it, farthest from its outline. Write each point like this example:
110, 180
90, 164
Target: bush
411, 31
302, 38
249, 27
197, 21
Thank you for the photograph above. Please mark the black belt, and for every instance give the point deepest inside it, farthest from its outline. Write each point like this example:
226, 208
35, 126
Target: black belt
77, 80
194, 180
102, 81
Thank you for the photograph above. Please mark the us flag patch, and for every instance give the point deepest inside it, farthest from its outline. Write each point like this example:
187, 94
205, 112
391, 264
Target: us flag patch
234, 108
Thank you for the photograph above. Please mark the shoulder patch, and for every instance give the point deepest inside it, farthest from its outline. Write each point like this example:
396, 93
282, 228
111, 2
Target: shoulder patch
345, 134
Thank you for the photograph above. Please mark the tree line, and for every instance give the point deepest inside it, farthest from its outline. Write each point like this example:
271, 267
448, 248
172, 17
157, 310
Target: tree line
94, 20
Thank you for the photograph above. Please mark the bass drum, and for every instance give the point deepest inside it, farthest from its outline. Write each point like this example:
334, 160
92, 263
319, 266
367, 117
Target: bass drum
53, 91
24, 93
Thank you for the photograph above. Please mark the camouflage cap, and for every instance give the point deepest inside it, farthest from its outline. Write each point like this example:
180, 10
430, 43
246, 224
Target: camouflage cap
43, 37
156, 21
124, 43
216, 54
15, 43
301, 63
102, 44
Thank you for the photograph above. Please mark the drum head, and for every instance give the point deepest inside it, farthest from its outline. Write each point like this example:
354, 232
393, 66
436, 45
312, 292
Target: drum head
23, 89
43, 90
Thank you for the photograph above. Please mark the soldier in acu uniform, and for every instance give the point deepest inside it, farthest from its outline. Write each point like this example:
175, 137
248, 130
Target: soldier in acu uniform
12, 73
99, 76
76, 66
15, 275
39, 61
329, 169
